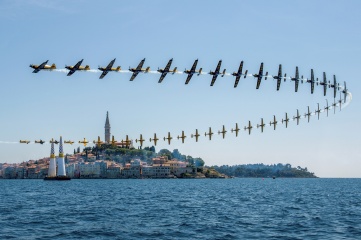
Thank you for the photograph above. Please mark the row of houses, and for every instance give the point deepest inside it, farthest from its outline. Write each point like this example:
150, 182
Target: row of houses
161, 167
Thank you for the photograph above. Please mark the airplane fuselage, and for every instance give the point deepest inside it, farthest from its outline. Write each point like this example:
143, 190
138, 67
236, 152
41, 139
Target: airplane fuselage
80, 68
117, 69
46, 67
165, 71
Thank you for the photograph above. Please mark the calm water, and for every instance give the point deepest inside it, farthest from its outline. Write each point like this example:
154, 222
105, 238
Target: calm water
181, 209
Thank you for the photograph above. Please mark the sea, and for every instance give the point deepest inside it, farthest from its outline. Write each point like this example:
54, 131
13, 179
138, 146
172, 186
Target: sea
238, 208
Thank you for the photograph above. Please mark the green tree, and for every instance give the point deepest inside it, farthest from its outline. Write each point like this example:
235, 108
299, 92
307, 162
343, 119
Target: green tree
165, 152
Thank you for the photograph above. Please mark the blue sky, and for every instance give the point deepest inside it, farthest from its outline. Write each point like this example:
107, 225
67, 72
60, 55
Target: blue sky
323, 35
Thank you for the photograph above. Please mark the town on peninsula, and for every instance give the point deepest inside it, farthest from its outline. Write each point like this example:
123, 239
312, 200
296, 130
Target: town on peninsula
120, 160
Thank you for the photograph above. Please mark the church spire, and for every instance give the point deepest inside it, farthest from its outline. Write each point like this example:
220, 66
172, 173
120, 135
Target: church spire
107, 129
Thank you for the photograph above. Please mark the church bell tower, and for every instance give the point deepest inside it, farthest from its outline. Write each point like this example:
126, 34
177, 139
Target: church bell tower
107, 129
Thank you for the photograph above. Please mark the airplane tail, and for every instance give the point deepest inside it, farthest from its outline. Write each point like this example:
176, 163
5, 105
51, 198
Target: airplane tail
118, 68
175, 70
87, 67
147, 69
223, 73
285, 77
200, 71
53, 66
245, 73
266, 76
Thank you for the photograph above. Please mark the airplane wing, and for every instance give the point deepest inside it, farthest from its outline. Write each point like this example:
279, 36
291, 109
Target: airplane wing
105, 72
237, 80
133, 76
279, 77
214, 78
278, 83
296, 85
41, 66
110, 65
162, 77
194, 65
312, 82
166, 69
259, 81
334, 86
140, 65
189, 78
218, 66
260, 73
71, 71
280, 71
240, 68
77, 65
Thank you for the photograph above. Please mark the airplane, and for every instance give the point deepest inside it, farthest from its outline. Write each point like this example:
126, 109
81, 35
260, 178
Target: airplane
274, 123
298, 116
76, 68
249, 127
262, 125
141, 140
53, 141
113, 141
85, 142
260, 75
196, 135
192, 71
308, 114
236, 130
297, 79
279, 77
25, 141
43, 66
223, 132
155, 139
69, 142
209, 133
182, 137
318, 111
324, 84
238, 74
169, 138
166, 70
286, 120
327, 107
127, 141
108, 68
217, 72
40, 141
312, 81
345, 92
334, 105
340, 102
335, 86
138, 70
99, 142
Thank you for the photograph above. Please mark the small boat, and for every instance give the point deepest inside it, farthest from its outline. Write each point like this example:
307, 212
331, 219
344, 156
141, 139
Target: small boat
58, 178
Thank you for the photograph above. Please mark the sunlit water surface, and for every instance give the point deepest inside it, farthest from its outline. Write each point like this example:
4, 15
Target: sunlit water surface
181, 209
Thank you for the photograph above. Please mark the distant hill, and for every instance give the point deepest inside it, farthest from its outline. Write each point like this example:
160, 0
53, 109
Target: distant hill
265, 171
